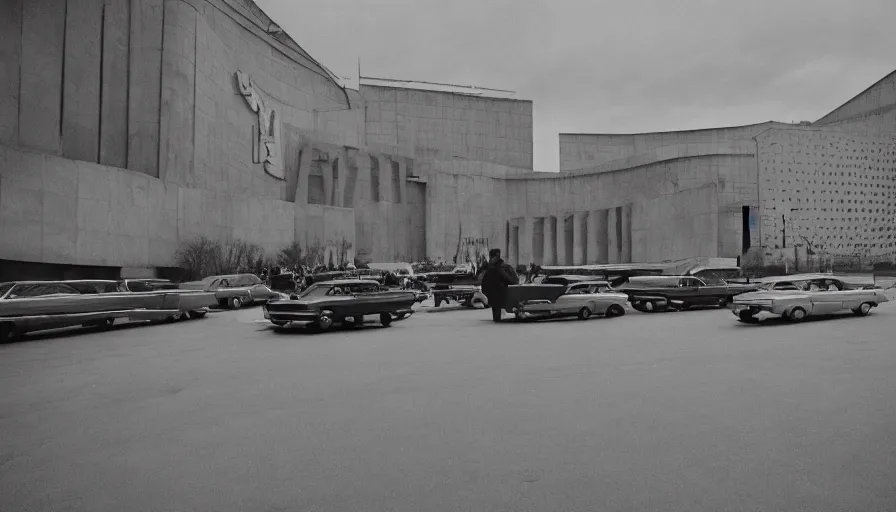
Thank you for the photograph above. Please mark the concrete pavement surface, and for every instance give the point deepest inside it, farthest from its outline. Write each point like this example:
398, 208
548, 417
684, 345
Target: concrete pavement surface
446, 411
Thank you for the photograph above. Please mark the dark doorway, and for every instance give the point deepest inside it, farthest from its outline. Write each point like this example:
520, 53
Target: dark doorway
745, 219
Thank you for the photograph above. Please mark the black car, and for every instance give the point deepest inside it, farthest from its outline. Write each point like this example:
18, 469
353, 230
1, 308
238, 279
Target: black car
660, 293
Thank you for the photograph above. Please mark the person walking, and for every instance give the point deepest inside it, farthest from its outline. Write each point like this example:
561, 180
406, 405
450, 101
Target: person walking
497, 277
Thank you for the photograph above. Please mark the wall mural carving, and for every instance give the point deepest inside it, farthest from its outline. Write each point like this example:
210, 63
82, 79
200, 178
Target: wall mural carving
266, 148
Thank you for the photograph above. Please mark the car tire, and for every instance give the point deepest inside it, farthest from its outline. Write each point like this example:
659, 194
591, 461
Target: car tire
863, 309
279, 323
7, 332
198, 314
615, 310
747, 317
477, 304
323, 323
235, 303
585, 313
649, 306
386, 319
796, 315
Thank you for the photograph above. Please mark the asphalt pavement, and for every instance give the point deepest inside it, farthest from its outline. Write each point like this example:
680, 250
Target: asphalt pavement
446, 411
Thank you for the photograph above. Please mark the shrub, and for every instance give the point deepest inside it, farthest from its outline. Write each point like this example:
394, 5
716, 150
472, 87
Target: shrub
203, 257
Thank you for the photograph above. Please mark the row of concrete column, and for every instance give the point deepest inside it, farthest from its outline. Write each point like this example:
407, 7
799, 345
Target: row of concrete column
573, 238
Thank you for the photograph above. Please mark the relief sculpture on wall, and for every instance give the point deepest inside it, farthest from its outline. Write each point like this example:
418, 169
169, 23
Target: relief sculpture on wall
266, 147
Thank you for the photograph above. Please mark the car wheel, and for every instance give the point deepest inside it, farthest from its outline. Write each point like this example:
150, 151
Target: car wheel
236, 303
7, 332
637, 306
478, 304
747, 317
279, 323
386, 319
585, 313
864, 309
797, 315
615, 310
198, 314
649, 307
324, 322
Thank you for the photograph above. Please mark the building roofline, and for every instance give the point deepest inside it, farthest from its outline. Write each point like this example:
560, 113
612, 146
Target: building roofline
850, 100
680, 131
456, 93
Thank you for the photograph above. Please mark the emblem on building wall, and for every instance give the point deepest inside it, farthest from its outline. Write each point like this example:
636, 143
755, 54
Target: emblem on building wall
266, 148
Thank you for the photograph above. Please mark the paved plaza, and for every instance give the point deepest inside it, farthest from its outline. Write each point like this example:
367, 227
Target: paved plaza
447, 411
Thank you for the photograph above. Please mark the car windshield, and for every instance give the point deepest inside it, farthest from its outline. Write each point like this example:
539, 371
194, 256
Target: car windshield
315, 290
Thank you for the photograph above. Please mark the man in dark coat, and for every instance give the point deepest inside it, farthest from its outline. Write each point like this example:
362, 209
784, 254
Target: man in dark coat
497, 277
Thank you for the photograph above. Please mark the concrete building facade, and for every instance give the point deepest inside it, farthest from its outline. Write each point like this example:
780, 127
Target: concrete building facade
128, 128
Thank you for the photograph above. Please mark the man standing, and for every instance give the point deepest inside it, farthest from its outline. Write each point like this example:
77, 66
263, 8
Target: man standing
498, 276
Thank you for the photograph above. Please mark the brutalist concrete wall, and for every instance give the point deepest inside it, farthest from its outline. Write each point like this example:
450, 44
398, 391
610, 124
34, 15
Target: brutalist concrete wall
442, 125
163, 99
877, 100
831, 192
679, 225
586, 151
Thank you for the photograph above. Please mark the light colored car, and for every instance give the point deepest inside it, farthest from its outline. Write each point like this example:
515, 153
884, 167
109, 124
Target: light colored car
582, 299
796, 297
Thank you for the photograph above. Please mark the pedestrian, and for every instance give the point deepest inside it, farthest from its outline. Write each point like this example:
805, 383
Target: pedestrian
498, 276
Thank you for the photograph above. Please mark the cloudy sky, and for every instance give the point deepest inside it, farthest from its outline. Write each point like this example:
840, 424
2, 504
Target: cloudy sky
618, 66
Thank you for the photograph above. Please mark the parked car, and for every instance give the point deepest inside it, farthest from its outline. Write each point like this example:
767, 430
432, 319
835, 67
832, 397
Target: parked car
346, 301
582, 299
796, 297
660, 293
27, 306
235, 290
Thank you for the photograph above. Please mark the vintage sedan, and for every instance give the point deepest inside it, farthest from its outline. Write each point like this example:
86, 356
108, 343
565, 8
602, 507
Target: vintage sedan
796, 297
660, 293
345, 302
582, 299
235, 290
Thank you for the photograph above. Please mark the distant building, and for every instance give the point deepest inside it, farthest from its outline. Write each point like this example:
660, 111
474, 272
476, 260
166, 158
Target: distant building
209, 120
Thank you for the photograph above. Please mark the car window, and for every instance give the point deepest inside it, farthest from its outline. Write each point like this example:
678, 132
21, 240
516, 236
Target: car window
253, 279
315, 291
41, 290
5, 288
785, 285
688, 282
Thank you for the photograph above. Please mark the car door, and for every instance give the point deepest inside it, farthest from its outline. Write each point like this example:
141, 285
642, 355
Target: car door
711, 290
825, 301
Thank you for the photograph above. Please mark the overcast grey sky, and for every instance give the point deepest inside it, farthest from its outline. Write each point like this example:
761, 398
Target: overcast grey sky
622, 66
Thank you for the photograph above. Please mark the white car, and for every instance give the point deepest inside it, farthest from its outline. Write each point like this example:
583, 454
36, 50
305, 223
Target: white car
583, 299
796, 297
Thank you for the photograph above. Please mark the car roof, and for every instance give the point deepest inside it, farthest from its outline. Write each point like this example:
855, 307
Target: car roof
348, 281
589, 283
798, 277
46, 281
67, 281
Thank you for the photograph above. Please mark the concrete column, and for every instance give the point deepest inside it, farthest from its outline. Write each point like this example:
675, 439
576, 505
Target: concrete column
385, 178
550, 241
10, 67
514, 253
82, 72
526, 245
626, 242
560, 239
403, 181
538, 240
114, 110
612, 236
579, 234
591, 247
602, 238
144, 78
41, 61
177, 123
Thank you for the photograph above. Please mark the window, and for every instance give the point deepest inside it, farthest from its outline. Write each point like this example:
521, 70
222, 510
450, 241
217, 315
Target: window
40, 290
5, 287
315, 291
